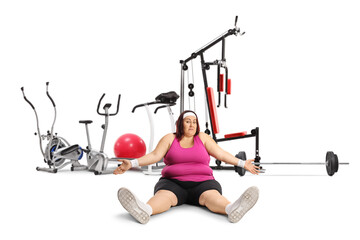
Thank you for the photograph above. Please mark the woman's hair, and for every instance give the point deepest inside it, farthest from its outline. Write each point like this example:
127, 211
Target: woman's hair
180, 125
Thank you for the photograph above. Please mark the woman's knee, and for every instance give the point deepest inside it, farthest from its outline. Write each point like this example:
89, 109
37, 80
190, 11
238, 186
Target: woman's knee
208, 194
169, 195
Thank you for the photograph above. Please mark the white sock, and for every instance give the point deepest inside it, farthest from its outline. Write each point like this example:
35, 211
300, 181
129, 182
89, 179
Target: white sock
232, 206
227, 208
144, 206
148, 209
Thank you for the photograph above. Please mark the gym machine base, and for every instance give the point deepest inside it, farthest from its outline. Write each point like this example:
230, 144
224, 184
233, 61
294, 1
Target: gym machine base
57, 150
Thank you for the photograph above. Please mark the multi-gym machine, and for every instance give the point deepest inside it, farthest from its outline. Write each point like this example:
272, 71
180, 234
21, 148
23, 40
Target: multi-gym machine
331, 159
210, 108
165, 100
58, 152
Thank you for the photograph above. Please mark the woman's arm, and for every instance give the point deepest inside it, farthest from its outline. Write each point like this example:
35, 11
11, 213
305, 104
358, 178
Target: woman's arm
159, 152
218, 153
150, 158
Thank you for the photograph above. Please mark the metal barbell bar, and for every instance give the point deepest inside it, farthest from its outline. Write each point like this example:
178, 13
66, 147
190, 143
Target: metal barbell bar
331, 163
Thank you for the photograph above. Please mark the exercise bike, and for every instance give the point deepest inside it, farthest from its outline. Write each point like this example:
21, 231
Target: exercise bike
98, 160
57, 150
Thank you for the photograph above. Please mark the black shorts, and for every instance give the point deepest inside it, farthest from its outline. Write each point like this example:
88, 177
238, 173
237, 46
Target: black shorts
187, 192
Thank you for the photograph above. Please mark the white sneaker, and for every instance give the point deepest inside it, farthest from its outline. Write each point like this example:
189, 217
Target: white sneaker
245, 202
135, 207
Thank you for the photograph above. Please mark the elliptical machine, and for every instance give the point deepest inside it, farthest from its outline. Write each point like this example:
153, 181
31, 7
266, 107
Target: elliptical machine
57, 150
98, 160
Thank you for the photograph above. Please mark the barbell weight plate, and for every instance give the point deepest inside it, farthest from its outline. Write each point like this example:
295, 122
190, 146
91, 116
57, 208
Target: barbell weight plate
332, 163
336, 163
329, 162
241, 171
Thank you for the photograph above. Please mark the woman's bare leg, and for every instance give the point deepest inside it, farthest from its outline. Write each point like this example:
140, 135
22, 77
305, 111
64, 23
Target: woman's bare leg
162, 201
214, 201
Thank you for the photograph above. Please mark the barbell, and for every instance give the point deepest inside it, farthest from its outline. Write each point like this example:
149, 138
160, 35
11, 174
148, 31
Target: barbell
331, 163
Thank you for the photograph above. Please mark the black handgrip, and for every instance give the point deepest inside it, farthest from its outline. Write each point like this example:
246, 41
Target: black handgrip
47, 93
144, 104
164, 106
139, 105
117, 107
236, 19
110, 114
22, 89
98, 107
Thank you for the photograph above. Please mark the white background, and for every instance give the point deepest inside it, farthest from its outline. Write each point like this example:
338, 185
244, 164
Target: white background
294, 75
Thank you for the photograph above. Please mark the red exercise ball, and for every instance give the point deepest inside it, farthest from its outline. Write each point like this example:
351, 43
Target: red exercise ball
129, 146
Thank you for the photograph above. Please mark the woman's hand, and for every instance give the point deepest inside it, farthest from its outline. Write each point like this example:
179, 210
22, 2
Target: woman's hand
249, 166
126, 165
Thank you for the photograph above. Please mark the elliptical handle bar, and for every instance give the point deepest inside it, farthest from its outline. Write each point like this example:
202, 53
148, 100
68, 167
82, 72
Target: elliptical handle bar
47, 93
110, 114
22, 89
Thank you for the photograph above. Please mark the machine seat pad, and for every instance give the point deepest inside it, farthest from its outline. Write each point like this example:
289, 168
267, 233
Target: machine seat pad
232, 135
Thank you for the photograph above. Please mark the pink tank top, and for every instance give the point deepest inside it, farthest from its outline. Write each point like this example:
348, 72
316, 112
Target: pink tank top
187, 164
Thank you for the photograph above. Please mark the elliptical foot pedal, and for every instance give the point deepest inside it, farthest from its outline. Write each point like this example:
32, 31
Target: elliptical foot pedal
69, 149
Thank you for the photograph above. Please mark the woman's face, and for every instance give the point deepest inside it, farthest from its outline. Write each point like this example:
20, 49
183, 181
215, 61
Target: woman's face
190, 126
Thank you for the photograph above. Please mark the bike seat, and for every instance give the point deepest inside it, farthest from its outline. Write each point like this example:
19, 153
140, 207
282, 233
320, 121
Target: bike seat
85, 121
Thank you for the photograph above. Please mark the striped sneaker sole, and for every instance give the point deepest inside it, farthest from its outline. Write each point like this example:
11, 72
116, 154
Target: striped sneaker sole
247, 201
128, 201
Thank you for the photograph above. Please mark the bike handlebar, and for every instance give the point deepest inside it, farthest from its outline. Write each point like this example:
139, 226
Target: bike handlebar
109, 114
